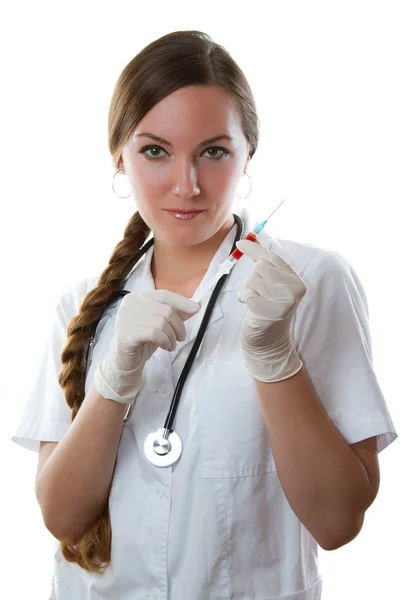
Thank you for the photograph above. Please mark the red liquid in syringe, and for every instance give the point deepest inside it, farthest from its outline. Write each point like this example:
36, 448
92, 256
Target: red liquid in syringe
236, 253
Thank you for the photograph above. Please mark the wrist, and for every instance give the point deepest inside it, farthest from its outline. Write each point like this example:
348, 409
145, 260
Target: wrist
121, 386
274, 363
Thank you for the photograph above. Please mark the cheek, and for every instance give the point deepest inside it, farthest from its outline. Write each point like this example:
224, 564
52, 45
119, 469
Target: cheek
148, 180
218, 179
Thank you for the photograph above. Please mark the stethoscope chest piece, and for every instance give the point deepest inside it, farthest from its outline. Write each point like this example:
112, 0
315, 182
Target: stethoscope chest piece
163, 448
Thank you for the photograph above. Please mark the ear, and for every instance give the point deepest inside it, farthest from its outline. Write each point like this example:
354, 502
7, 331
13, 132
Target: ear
121, 166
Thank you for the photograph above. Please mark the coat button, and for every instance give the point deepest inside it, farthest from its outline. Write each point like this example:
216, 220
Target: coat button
164, 390
158, 490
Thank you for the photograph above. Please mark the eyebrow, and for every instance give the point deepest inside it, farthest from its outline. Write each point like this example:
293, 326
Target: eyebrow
216, 138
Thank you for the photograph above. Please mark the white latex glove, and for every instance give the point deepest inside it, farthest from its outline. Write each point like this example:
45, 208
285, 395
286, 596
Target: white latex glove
272, 294
144, 322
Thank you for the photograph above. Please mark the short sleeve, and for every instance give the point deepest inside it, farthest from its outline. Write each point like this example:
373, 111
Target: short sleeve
333, 338
46, 415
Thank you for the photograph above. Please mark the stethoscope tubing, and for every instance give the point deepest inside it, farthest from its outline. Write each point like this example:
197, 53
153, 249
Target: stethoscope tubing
169, 421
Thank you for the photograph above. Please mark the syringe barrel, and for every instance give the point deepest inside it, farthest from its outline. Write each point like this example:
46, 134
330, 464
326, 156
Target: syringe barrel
250, 236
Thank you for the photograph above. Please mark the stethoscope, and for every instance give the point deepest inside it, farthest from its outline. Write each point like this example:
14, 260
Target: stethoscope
163, 447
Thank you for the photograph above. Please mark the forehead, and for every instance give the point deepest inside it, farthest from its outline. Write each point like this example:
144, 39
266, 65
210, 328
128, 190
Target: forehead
193, 113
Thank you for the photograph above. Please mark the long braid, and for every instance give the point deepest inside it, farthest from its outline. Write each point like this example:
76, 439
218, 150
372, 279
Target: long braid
150, 77
93, 551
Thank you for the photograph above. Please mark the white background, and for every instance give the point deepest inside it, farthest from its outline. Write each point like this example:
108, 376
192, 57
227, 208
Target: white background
325, 76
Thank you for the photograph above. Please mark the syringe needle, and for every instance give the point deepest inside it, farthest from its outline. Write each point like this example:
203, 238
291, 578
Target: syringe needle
274, 211
227, 265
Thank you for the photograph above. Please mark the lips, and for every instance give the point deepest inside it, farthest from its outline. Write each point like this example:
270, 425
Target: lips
184, 215
183, 211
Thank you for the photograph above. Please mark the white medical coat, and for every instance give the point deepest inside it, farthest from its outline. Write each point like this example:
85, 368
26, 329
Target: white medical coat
216, 525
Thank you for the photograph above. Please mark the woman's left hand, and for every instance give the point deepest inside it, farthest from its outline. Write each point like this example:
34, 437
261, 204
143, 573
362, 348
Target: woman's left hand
272, 294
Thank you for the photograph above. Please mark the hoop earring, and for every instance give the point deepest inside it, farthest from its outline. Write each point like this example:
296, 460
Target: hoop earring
251, 187
112, 185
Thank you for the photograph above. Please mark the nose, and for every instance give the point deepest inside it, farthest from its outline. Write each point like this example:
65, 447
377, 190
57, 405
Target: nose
185, 180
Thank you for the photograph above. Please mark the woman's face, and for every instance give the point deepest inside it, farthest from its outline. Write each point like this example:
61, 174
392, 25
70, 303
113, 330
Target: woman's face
183, 170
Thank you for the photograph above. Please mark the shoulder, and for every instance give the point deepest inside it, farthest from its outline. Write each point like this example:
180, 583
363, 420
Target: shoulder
328, 275
335, 299
309, 259
71, 299
314, 264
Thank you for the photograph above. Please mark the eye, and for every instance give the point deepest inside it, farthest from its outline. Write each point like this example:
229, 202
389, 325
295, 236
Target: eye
224, 152
152, 152
151, 156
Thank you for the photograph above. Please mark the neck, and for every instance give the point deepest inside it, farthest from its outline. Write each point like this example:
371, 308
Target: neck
192, 261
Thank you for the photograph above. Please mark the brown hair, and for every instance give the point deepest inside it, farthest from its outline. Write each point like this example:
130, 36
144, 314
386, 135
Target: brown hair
172, 62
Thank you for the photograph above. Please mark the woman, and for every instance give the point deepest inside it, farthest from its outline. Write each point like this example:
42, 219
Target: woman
280, 416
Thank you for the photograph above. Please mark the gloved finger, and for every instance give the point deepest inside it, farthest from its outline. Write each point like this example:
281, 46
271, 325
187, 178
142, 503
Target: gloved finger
139, 310
268, 309
182, 305
269, 281
272, 291
258, 251
150, 322
264, 269
161, 337
245, 293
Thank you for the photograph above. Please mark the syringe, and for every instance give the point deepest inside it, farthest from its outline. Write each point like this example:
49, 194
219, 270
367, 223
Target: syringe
231, 261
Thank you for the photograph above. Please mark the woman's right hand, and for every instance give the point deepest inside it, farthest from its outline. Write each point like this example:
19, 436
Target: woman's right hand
144, 322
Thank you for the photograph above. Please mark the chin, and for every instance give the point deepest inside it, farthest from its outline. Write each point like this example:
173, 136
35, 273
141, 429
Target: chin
192, 232
187, 240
